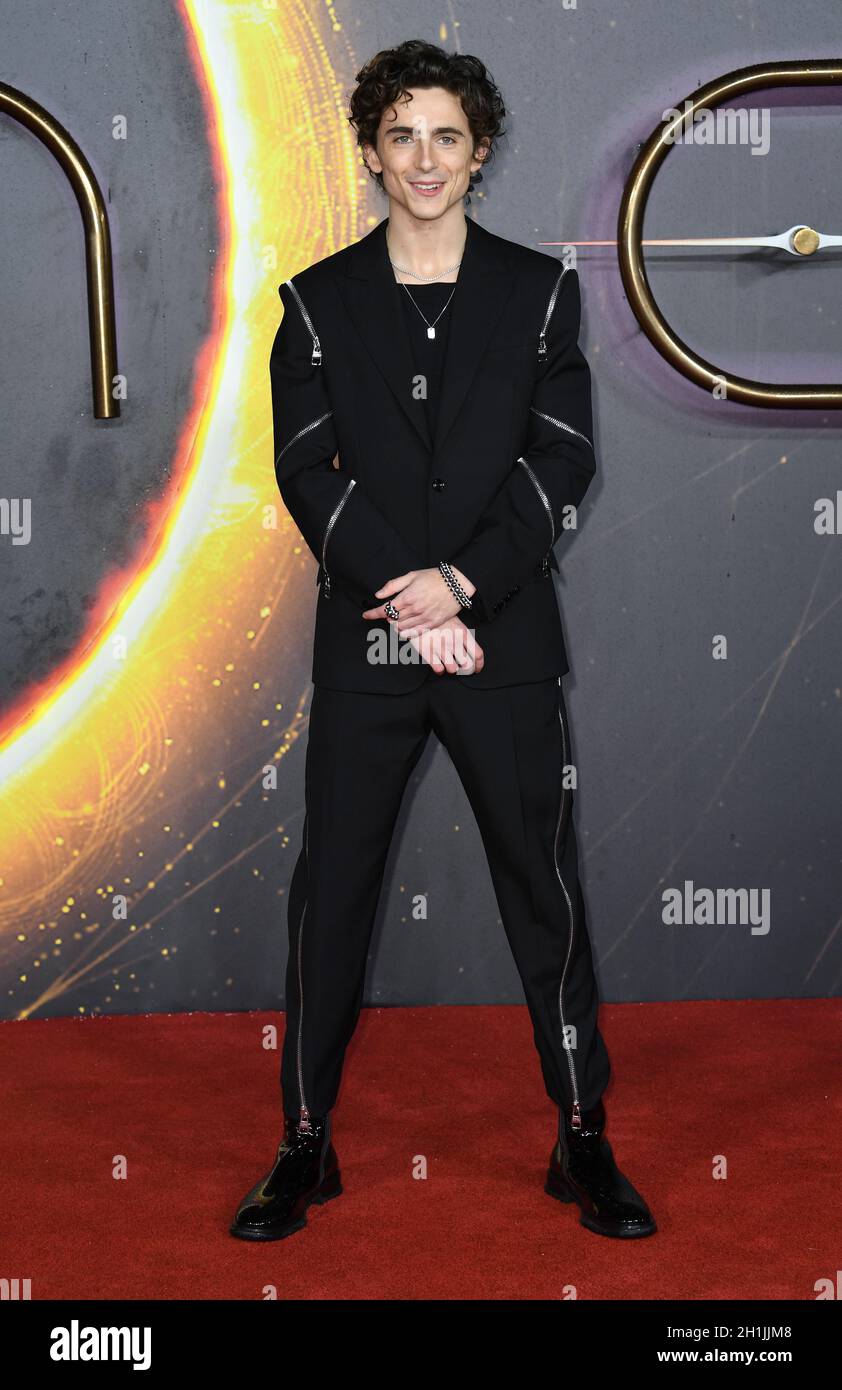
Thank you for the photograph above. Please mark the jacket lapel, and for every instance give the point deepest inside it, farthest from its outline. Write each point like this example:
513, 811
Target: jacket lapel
372, 296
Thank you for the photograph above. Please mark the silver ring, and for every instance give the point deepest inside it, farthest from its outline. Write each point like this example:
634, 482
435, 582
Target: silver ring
391, 610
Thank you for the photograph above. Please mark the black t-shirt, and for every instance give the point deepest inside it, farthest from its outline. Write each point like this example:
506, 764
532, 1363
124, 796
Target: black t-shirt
428, 353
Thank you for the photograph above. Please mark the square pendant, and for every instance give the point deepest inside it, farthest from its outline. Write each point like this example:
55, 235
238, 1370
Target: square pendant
431, 333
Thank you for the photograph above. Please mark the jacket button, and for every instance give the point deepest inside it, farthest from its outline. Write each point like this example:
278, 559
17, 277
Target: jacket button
439, 484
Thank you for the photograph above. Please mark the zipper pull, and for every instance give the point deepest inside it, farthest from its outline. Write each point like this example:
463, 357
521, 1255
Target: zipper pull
325, 583
576, 1117
542, 345
316, 359
304, 1126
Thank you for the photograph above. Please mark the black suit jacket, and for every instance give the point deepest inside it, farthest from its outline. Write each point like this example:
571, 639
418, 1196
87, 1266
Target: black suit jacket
512, 450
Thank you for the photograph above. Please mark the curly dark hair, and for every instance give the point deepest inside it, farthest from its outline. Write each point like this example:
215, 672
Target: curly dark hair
415, 63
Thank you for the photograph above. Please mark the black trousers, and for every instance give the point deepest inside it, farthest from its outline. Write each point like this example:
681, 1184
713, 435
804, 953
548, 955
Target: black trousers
510, 746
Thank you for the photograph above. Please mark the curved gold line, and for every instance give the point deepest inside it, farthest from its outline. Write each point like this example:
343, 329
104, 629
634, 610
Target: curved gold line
630, 230
82, 180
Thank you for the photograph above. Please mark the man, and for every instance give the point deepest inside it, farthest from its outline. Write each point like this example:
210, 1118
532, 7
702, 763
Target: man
441, 364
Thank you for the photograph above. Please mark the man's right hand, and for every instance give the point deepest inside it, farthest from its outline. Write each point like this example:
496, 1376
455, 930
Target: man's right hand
450, 647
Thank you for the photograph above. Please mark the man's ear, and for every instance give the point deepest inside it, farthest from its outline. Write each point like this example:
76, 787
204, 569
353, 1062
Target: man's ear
367, 152
481, 150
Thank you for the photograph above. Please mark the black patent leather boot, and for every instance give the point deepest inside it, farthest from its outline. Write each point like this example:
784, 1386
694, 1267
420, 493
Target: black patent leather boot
306, 1170
582, 1170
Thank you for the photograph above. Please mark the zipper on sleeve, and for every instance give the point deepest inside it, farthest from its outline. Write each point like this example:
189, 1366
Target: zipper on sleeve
561, 425
300, 433
317, 347
545, 563
330, 525
542, 336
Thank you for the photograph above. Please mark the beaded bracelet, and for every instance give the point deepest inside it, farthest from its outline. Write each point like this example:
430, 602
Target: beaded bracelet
453, 584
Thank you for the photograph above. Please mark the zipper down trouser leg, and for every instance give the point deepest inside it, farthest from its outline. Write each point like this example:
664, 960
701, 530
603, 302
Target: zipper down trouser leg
509, 746
361, 751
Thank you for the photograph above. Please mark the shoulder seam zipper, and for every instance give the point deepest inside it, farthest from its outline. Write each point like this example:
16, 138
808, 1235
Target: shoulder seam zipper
542, 339
317, 347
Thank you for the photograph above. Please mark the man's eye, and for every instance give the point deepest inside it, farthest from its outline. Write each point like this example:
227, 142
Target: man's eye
398, 138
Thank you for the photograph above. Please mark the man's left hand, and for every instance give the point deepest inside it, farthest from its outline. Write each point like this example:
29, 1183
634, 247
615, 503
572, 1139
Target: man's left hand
425, 600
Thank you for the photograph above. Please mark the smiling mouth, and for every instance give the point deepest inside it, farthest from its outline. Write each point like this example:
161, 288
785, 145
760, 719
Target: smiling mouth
427, 189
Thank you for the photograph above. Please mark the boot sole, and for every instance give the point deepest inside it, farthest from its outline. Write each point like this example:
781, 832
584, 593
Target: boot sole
554, 1188
331, 1187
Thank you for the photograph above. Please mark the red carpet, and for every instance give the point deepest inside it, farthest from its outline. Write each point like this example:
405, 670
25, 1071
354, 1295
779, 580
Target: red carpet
193, 1103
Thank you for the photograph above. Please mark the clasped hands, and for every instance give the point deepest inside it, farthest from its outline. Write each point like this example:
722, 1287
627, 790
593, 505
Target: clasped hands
428, 609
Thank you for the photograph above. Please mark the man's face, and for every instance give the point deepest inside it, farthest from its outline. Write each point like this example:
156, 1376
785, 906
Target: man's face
425, 152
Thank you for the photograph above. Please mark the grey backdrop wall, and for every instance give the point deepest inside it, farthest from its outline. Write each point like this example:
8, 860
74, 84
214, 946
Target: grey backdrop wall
700, 522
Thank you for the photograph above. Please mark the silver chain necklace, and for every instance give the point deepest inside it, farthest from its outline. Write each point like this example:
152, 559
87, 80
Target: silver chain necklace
425, 279
431, 327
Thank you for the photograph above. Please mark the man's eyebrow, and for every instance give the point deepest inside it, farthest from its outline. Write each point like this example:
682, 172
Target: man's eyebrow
437, 130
